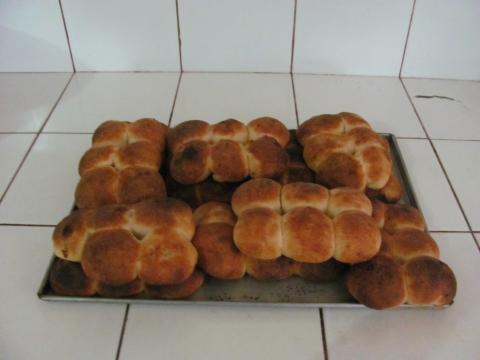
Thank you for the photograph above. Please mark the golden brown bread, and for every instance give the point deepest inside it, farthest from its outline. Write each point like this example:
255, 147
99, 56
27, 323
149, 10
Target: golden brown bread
308, 235
400, 217
256, 193
345, 199
378, 283
217, 254
120, 291
268, 126
214, 212
276, 269
166, 258
357, 237
302, 194
228, 161
429, 282
110, 256
344, 151
229, 129
407, 244
229, 151
258, 233
392, 192
182, 290
70, 235
122, 165
67, 278
379, 211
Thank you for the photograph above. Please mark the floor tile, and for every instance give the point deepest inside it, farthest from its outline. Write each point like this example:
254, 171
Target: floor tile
12, 149
416, 334
436, 199
454, 110
382, 101
27, 99
460, 159
34, 329
112, 35
232, 35
215, 97
220, 332
339, 37
42, 192
92, 98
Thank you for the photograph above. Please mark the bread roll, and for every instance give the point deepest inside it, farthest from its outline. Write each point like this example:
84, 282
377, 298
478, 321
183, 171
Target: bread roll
110, 132
377, 283
137, 184
97, 187
326, 123
185, 132
321, 146
258, 233
149, 130
110, 217
268, 126
377, 166
228, 161
345, 199
217, 254
97, 157
266, 158
400, 217
379, 211
392, 192
142, 154
357, 237
340, 169
182, 290
110, 256
308, 235
352, 121
229, 129
277, 269
429, 282
214, 212
304, 194
167, 216
166, 258
362, 138
191, 164
70, 235
407, 244
327, 271
121, 291
67, 278
257, 193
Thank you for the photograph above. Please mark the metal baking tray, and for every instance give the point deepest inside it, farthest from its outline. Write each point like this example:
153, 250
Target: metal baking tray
248, 291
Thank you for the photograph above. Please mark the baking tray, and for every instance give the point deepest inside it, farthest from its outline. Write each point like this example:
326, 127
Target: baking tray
248, 291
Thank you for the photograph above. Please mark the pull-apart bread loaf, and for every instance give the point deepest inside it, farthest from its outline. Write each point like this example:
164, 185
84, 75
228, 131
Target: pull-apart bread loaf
219, 257
343, 150
407, 269
304, 222
122, 166
230, 151
129, 248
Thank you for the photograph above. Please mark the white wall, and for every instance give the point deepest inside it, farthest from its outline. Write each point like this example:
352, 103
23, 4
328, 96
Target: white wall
367, 37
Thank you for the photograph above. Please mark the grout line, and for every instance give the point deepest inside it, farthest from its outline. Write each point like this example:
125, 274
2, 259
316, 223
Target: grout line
66, 133
407, 38
179, 37
122, 332
17, 132
66, 34
27, 225
295, 100
293, 34
324, 334
441, 165
449, 231
35, 138
174, 99
411, 137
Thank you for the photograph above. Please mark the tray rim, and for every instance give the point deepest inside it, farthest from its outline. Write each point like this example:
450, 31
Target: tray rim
412, 198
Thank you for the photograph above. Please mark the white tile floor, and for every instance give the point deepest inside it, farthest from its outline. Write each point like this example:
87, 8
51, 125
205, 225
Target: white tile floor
42, 193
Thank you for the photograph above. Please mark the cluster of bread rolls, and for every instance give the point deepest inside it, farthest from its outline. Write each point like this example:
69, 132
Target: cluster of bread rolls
219, 257
407, 268
304, 222
230, 151
118, 244
343, 150
122, 165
